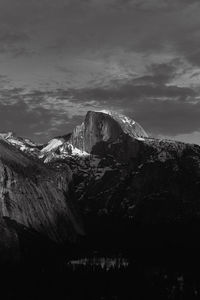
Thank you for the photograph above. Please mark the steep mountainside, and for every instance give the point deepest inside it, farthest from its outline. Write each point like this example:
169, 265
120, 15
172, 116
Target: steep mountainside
115, 172
119, 171
24, 144
34, 197
100, 126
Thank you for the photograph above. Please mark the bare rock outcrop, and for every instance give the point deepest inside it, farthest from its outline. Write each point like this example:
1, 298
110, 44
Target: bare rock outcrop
36, 197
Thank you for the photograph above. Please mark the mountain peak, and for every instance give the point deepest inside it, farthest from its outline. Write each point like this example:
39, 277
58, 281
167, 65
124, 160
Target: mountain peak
104, 126
128, 125
8, 134
113, 113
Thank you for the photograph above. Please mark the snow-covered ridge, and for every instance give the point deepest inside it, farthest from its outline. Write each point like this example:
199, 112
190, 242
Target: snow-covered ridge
60, 149
124, 118
104, 111
24, 144
6, 135
128, 125
78, 152
53, 144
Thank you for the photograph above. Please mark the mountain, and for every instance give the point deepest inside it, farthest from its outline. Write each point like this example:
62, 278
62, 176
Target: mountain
24, 144
110, 171
101, 126
118, 170
119, 173
34, 199
98, 129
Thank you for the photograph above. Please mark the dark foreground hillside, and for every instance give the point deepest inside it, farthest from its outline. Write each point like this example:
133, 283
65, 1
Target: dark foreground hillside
94, 269
102, 213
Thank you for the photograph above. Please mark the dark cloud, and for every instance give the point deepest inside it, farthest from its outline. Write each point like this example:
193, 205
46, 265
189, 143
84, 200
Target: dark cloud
168, 117
152, 85
140, 56
163, 73
28, 114
39, 124
164, 110
11, 38
161, 108
23, 121
159, 4
77, 25
11, 95
13, 42
129, 91
3, 80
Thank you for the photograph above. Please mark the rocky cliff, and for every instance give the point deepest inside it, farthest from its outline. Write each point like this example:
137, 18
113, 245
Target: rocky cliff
101, 126
121, 172
34, 197
115, 172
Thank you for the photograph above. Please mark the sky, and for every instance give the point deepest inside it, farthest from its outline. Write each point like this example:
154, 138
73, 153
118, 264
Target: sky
59, 59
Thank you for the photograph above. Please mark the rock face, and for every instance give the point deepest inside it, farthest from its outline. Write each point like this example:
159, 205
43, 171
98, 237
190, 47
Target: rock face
114, 170
100, 126
24, 144
128, 175
35, 197
160, 184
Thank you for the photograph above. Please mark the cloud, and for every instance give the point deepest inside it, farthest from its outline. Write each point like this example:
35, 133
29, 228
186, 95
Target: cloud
23, 121
167, 115
37, 123
37, 114
71, 36
157, 4
67, 56
160, 107
76, 26
193, 137
13, 42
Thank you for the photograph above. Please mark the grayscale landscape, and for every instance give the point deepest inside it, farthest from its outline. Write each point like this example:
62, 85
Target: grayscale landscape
99, 149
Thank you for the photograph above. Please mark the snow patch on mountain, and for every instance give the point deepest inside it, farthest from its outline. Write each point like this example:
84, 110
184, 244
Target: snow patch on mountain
76, 151
52, 145
123, 118
61, 151
24, 144
128, 125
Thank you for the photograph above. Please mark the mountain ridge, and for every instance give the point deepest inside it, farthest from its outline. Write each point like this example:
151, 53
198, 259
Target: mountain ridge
106, 169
